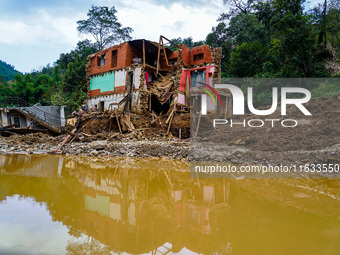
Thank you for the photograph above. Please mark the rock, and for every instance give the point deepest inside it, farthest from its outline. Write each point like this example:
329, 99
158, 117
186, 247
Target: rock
100, 147
94, 152
97, 143
332, 158
238, 151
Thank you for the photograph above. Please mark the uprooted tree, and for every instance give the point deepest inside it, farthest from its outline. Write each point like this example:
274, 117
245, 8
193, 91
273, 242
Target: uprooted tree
103, 25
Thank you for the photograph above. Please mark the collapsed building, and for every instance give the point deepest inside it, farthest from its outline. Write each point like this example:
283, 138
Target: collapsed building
142, 76
18, 116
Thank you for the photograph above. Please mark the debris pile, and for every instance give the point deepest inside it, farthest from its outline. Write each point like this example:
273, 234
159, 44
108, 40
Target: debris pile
331, 59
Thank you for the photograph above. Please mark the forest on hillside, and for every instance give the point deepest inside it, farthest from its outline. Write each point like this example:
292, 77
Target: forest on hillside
7, 71
261, 39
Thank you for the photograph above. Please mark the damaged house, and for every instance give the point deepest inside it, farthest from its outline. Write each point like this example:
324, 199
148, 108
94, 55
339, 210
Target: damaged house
17, 116
142, 76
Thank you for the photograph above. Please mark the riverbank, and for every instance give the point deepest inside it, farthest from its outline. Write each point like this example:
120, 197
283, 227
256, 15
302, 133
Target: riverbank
174, 149
39, 144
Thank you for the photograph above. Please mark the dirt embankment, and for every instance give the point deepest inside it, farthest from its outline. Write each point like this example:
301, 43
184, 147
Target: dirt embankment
318, 131
315, 139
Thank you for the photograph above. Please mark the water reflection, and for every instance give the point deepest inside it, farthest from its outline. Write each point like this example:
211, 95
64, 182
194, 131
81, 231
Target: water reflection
153, 206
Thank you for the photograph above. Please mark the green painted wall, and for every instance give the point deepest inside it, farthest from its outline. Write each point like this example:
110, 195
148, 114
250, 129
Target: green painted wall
100, 204
104, 83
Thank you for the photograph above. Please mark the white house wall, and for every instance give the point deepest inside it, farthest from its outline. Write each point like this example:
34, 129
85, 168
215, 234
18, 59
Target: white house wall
120, 77
114, 98
4, 119
137, 74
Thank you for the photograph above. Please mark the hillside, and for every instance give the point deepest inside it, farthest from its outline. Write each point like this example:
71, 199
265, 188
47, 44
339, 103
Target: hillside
7, 71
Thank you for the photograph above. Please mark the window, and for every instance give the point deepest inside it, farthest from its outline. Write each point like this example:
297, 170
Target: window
129, 80
198, 57
101, 60
15, 120
173, 62
114, 58
198, 77
101, 106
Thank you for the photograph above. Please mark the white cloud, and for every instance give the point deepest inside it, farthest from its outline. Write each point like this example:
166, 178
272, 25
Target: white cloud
47, 32
38, 30
149, 20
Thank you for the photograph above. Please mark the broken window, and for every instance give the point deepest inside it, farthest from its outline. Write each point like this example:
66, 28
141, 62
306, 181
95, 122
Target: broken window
198, 57
198, 77
173, 62
101, 106
129, 80
15, 120
101, 60
114, 59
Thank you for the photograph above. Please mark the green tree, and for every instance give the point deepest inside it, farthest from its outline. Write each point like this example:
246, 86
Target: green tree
219, 38
247, 59
103, 25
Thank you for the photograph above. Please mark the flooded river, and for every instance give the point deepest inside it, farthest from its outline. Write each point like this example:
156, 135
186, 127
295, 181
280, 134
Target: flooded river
56, 205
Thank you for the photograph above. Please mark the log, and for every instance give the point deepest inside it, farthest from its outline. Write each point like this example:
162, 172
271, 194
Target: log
155, 119
67, 138
159, 53
172, 116
198, 124
172, 112
116, 114
144, 53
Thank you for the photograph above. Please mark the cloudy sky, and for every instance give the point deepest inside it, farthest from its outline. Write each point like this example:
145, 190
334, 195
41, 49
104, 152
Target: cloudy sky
33, 33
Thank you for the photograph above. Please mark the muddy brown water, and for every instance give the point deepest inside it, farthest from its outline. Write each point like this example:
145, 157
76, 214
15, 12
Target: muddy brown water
59, 205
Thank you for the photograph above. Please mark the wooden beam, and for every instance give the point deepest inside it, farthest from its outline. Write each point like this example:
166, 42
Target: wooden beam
116, 114
172, 116
169, 41
166, 58
198, 125
143, 53
159, 53
67, 138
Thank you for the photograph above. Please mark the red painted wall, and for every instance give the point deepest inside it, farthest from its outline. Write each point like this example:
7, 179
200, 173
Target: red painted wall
186, 55
124, 59
198, 50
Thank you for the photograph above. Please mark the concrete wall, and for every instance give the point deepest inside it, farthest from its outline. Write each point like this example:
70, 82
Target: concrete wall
22, 118
4, 119
50, 114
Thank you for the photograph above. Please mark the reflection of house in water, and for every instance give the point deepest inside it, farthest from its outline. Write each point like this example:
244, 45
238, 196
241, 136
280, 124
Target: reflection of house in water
147, 208
194, 204
133, 206
31, 166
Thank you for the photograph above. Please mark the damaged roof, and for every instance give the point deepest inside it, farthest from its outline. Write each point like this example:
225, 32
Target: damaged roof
150, 46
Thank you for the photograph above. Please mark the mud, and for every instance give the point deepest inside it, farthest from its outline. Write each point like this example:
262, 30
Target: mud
316, 138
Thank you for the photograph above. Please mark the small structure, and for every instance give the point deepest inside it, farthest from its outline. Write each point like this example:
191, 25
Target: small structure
141, 75
18, 116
